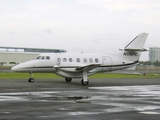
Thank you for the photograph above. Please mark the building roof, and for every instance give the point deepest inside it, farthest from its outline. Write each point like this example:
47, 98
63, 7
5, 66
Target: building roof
41, 50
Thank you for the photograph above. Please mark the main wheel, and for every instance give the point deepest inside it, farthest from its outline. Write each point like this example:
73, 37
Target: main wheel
84, 82
31, 80
68, 79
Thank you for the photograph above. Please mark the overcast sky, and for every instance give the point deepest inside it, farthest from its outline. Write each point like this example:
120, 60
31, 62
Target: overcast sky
79, 25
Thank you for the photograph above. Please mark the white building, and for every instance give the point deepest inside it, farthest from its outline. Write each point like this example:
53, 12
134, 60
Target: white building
13, 55
7, 58
154, 54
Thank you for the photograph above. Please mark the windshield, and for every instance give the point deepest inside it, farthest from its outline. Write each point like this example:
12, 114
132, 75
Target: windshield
39, 57
43, 58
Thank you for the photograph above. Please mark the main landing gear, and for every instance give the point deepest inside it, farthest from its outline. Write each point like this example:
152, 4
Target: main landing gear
31, 80
68, 79
84, 81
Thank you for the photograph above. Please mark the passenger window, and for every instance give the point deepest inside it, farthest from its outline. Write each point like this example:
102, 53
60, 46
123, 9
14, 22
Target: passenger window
78, 60
85, 59
39, 57
43, 58
96, 60
47, 58
64, 60
58, 59
90, 60
70, 60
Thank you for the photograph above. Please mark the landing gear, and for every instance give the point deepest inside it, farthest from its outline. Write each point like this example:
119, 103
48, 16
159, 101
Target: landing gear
68, 79
31, 79
84, 82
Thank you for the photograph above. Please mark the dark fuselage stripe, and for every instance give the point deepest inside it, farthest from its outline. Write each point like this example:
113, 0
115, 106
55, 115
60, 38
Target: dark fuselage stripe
76, 66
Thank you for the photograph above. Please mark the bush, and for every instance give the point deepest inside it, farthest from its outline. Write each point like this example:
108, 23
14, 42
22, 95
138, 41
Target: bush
2, 63
12, 62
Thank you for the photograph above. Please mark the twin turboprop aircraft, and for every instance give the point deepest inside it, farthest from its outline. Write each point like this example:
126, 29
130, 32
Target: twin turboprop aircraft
81, 65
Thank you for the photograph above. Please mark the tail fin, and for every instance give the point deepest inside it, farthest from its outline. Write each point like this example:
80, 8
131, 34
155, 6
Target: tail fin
133, 50
137, 43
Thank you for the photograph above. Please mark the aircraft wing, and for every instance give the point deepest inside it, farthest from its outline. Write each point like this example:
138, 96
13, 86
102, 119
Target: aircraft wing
88, 67
79, 67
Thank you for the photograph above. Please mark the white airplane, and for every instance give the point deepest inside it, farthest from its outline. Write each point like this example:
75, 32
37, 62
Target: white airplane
82, 65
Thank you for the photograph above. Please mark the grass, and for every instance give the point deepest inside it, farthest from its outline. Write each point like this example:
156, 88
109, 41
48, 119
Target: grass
13, 75
115, 75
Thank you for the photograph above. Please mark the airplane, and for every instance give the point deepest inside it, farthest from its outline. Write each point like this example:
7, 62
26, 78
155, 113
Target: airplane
82, 65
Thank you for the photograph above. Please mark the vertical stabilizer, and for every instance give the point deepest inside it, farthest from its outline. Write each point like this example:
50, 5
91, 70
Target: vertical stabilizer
137, 43
133, 50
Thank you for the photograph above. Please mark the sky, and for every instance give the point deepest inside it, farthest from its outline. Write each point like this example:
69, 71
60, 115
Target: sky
88, 26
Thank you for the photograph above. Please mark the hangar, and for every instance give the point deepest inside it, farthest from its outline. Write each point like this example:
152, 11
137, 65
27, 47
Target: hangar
10, 56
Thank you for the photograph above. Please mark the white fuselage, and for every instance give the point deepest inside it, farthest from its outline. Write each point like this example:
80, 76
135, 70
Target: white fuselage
72, 65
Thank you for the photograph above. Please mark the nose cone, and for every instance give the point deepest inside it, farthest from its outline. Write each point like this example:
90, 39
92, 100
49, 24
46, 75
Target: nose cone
18, 68
23, 67
14, 68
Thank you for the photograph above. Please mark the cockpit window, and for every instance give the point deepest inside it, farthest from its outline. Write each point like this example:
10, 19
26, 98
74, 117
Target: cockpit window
47, 58
39, 57
43, 58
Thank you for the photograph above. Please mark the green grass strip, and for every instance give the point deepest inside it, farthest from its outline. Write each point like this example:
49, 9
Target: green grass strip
14, 75
116, 75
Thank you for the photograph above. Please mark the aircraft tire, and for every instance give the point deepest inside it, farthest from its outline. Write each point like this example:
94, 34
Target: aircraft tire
84, 83
68, 79
31, 80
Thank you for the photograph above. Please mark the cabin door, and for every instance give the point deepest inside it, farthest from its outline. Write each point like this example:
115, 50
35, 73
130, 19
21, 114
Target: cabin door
107, 64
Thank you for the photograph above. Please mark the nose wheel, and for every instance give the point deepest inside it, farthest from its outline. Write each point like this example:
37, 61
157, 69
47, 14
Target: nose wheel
31, 79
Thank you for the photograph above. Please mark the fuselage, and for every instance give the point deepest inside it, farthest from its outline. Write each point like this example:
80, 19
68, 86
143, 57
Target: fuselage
67, 64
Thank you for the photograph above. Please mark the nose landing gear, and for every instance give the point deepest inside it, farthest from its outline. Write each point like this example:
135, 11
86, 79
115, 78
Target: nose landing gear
31, 79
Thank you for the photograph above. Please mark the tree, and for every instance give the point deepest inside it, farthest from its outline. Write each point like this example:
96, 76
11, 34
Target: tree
157, 63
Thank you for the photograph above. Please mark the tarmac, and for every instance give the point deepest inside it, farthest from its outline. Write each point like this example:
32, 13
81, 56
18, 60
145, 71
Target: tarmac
102, 99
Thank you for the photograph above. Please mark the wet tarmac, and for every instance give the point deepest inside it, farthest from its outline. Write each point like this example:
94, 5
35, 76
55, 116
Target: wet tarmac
102, 99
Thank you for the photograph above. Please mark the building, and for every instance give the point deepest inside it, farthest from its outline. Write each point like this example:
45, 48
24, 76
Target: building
154, 54
10, 56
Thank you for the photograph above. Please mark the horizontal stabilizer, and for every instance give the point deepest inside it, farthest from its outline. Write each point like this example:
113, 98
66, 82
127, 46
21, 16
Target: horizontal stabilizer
139, 50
